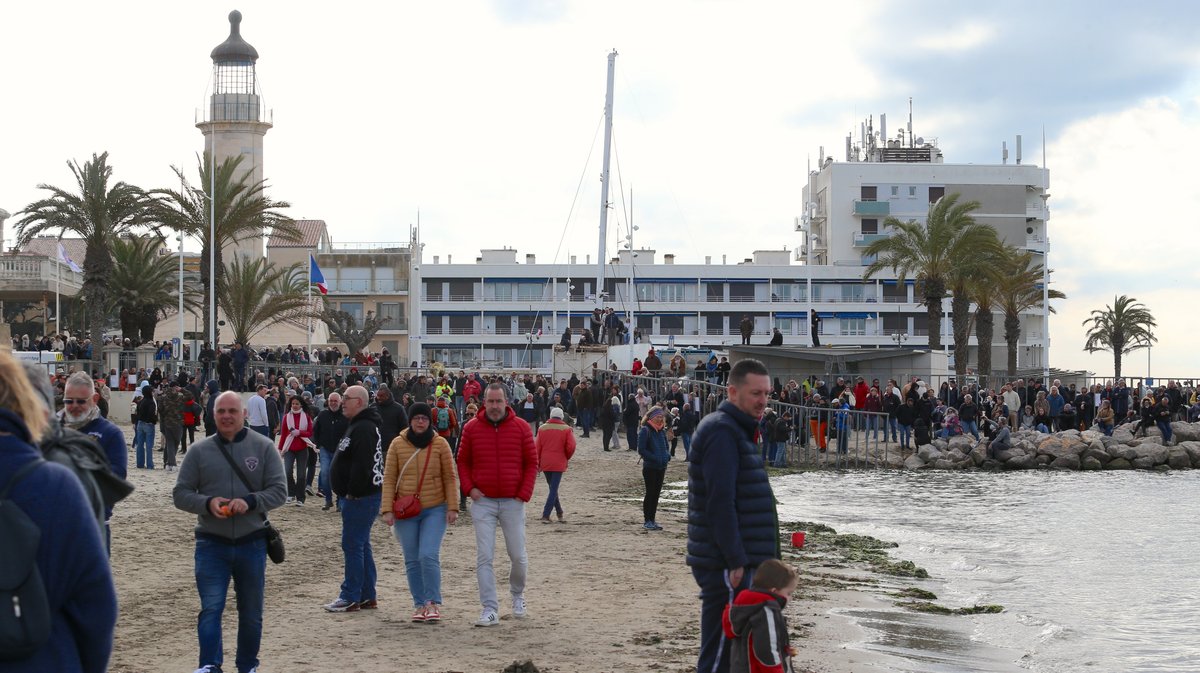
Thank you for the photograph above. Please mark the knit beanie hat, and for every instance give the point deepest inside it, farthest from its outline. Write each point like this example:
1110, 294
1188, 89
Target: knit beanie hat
556, 412
420, 409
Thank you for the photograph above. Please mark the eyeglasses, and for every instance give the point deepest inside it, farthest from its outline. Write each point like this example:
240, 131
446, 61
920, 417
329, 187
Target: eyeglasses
80, 402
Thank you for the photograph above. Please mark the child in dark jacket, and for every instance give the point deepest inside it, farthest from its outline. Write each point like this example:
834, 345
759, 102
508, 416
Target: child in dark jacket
755, 623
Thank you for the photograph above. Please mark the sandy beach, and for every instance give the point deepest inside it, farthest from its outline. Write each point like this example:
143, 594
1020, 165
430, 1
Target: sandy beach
603, 594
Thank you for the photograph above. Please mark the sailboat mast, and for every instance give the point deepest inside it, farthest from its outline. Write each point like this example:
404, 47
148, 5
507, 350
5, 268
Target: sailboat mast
608, 117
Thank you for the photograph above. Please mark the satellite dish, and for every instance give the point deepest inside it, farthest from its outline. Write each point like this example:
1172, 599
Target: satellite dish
920, 140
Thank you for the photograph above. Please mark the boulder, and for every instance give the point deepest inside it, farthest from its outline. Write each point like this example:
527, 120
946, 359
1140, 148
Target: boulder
1143, 463
978, 455
1123, 435
1090, 435
939, 444
956, 455
1185, 432
1109, 442
1118, 464
1122, 451
1178, 458
963, 443
1099, 455
1162, 468
1006, 455
1193, 450
1061, 445
1021, 462
1069, 461
1091, 463
929, 453
1043, 459
1156, 452
1156, 439
914, 462
943, 464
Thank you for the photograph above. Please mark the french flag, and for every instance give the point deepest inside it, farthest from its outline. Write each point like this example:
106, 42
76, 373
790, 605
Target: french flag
315, 275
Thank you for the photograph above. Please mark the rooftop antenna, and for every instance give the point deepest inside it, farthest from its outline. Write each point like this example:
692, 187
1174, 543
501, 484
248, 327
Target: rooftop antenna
1018, 150
1004, 152
910, 133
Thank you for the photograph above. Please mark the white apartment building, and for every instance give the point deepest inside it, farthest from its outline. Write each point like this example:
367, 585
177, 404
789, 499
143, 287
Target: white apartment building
490, 311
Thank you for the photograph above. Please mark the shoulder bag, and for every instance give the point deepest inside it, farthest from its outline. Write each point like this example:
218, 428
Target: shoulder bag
275, 550
408, 506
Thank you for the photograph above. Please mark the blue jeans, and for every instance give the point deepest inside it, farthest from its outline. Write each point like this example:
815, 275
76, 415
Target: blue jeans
421, 539
358, 515
246, 564
843, 440
892, 424
261, 429
1106, 428
553, 479
323, 476
687, 444
905, 435
143, 444
777, 453
971, 427
715, 594
1165, 428
872, 424
585, 420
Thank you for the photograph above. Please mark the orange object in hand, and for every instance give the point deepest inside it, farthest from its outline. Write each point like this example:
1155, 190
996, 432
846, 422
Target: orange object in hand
224, 510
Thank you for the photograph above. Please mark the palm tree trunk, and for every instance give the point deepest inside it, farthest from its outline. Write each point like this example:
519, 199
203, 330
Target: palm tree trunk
934, 292
960, 316
1117, 364
983, 331
1012, 334
95, 287
129, 325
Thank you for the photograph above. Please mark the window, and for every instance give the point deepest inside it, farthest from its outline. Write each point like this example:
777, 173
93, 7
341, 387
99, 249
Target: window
645, 291
503, 291
462, 324
354, 279
742, 292
869, 193
783, 292
394, 312
870, 226
670, 324
433, 324
670, 291
936, 193
528, 324
853, 326
503, 324
785, 324
433, 291
912, 192
852, 293
529, 291
895, 191
355, 309
715, 291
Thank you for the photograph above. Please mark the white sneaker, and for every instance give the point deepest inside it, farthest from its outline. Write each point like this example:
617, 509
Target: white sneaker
519, 607
209, 668
488, 618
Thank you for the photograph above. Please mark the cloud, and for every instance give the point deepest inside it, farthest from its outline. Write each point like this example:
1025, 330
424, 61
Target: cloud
965, 37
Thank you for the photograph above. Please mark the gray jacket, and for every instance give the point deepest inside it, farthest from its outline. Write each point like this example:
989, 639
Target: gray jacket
206, 474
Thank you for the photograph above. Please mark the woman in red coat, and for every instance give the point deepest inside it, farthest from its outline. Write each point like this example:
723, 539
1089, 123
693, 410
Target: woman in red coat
555, 446
295, 429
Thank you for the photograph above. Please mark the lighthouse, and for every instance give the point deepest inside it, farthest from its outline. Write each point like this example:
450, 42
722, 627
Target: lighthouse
236, 120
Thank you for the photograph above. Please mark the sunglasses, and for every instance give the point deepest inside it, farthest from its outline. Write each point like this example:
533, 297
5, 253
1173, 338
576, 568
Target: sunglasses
80, 402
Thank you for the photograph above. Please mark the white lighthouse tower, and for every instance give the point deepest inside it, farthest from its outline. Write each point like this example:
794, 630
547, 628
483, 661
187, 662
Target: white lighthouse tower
236, 120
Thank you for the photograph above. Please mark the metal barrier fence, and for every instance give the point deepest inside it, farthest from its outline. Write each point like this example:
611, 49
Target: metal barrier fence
817, 437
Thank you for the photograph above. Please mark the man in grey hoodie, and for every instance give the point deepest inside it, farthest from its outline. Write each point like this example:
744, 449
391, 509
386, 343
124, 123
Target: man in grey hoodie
231, 529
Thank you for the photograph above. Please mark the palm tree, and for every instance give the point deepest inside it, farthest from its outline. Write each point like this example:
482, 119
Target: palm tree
98, 212
930, 251
256, 294
1121, 328
149, 282
243, 213
1020, 289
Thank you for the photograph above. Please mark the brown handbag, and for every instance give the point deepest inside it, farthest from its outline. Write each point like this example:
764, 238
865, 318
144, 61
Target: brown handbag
408, 506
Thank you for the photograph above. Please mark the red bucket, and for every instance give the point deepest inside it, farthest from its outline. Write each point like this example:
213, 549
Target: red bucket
798, 539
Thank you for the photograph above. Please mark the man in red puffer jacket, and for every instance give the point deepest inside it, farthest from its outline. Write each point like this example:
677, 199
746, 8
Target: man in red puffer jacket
497, 466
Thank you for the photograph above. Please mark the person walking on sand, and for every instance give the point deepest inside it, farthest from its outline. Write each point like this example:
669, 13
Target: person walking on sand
555, 446
357, 478
420, 463
652, 446
732, 523
497, 466
231, 533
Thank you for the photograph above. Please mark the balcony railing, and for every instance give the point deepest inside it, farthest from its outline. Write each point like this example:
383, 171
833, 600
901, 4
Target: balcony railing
888, 299
347, 286
872, 208
862, 240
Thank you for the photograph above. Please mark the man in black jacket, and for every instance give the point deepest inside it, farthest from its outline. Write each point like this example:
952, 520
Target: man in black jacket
328, 430
357, 479
392, 418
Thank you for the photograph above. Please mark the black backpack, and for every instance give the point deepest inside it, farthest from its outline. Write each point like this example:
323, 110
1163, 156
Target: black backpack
81, 454
24, 609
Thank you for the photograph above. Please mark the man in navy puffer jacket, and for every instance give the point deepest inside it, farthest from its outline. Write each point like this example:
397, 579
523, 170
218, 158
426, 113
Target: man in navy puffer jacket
732, 523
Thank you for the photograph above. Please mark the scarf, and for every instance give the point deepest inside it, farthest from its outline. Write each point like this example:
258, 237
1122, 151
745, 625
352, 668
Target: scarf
78, 423
294, 420
420, 440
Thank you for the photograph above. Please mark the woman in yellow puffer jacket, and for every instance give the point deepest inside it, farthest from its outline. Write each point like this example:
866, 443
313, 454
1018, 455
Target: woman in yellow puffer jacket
419, 460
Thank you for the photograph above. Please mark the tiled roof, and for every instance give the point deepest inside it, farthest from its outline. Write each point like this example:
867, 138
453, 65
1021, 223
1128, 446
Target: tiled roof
47, 246
311, 233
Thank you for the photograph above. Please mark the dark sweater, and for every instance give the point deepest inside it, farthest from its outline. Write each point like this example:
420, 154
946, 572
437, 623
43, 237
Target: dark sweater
357, 469
329, 428
70, 557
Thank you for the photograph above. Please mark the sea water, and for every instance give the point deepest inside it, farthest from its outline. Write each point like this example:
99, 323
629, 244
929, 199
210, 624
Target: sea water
1097, 571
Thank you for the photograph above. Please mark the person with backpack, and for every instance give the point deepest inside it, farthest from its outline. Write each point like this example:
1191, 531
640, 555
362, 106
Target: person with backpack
445, 422
81, 413
65, 591
147, 419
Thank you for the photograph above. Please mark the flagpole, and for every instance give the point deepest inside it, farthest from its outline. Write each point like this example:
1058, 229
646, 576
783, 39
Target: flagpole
57, 282
308, 351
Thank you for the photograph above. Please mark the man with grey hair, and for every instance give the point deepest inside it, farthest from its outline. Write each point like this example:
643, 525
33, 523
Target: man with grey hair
80, 413
231, 530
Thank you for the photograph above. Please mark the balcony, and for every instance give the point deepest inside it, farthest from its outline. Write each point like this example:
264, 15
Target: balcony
29, 274
862, 240
384, 286
1035, 243
872, 208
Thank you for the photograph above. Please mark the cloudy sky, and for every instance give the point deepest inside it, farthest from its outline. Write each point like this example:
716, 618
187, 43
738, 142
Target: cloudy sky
483, 116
